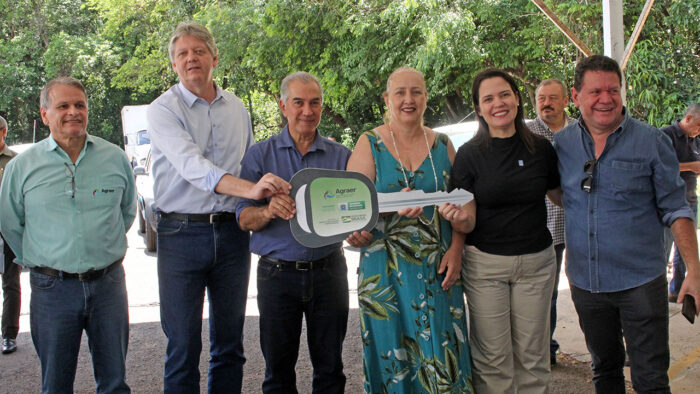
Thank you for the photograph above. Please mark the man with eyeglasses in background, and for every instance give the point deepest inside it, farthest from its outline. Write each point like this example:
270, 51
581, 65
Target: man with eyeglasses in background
65, 206
621, 186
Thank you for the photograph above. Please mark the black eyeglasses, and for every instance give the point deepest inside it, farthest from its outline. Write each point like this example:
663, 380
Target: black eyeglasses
587, 182
70, 186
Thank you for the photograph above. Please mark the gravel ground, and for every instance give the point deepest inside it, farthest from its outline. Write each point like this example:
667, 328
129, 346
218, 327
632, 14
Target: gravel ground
21, 372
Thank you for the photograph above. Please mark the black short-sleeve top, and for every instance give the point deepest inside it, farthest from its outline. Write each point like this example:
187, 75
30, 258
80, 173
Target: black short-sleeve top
509, 185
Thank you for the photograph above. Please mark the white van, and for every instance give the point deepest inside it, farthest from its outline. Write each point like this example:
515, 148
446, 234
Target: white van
135, 129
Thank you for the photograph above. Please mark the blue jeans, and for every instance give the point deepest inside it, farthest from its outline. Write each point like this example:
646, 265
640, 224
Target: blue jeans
553, 344
60, 309
641, 315
194, 257
285, 296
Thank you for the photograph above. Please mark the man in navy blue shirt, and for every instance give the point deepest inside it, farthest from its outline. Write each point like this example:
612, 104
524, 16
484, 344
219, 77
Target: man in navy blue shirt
621, 186
295, 281
687, 147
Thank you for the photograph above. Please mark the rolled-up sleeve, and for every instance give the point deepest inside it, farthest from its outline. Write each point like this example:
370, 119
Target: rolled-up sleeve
12, 209
670, 188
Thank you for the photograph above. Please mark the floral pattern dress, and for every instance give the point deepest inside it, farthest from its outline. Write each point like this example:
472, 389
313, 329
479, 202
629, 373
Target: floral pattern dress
414, 334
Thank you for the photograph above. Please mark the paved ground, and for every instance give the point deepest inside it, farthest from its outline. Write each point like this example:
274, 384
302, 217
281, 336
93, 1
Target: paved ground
20, 372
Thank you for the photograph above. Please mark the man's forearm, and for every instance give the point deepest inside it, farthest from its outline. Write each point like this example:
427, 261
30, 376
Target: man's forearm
254, 218
693, 166
234, 186
685, 235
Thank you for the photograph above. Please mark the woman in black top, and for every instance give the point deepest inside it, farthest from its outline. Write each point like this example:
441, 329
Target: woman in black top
508, 263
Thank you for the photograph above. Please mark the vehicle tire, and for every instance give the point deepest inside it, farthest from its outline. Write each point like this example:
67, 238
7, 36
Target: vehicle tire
142, 221
151, 238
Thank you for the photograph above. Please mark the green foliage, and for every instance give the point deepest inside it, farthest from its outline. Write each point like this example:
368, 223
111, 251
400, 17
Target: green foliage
118, 48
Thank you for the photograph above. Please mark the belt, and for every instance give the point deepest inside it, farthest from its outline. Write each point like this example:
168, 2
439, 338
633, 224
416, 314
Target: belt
85, 276
302, 265
201, 217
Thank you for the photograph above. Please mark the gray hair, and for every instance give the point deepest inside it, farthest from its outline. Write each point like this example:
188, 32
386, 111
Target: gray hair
45, 100
551, 81
693, 110
195, 30
3, 123
301, 76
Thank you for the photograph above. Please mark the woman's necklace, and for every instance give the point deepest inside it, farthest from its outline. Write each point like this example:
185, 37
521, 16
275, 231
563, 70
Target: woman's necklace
430, 156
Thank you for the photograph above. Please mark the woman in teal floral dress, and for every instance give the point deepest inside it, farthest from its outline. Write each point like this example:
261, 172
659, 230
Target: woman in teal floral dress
413, 323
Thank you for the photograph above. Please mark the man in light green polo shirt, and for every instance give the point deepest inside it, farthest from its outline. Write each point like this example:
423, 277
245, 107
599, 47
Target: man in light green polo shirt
65, 206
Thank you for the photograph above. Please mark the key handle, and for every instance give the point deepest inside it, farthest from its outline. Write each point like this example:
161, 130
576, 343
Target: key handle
331, 205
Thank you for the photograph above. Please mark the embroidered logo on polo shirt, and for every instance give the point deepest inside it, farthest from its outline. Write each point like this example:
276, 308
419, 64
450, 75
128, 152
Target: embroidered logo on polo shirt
521, 163
98, 192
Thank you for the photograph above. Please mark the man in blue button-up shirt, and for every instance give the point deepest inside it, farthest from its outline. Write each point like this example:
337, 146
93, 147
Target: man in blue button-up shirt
621, 186
294, 280
199, 133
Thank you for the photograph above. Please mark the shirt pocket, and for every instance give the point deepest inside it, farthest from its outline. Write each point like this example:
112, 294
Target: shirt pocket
624, 177
105, 195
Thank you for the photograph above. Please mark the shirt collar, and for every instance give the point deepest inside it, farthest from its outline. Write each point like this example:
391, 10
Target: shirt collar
288, 142
190, 98
567, 121
52, 145
677, 130
6, 151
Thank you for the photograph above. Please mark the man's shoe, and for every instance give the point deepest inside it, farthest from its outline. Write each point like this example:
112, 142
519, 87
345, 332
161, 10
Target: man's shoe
552, 360
672, 297
8, 345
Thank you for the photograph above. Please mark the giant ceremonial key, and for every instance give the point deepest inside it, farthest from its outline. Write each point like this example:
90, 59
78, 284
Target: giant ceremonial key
333, 204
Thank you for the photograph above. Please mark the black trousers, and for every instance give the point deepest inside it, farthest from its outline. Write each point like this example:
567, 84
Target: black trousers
285, 297
641, 315
11, 295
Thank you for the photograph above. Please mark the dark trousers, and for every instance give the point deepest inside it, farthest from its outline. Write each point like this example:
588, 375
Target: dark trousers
641, 313
553, 344
11, 295
285, 296
194, 257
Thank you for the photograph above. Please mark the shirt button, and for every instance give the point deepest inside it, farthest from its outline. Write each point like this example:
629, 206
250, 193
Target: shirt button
592, 211
419, 276
424, 317
421, 296
415, 233
417, 255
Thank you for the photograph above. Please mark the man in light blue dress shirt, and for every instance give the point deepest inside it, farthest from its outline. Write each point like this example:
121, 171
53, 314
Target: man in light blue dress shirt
65, 206
199, 134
